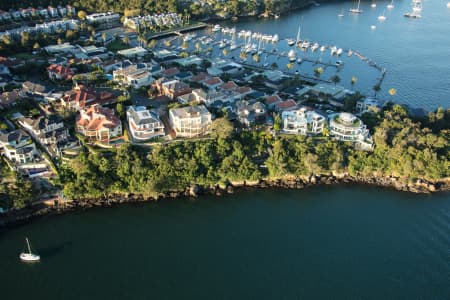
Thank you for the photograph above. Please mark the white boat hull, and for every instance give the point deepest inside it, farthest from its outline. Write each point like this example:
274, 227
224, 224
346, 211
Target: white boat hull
29, 257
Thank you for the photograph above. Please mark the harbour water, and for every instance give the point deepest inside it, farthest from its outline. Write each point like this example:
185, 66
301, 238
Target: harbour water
347, 242
415, 52
324, 242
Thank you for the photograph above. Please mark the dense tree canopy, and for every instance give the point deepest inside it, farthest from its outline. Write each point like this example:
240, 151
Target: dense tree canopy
403, 148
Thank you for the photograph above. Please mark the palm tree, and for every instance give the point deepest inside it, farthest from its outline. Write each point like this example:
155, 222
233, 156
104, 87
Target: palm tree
336, 79
256, 58
167, 43
243, 55
197, 47
376, 88
151, 44
318, 71
289, 66
225, 52
185, 45
141, 39
354, 80
126, 40
104, 38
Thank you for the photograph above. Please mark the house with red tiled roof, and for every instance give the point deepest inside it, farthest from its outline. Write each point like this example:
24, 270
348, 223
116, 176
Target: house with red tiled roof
199, 78
286, 105
228, 86
59, 72
213, 82
98, 123
81, 97
171, 88
272, 100
170, 72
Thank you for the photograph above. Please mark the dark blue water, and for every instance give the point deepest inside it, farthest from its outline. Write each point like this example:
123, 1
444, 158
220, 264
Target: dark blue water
415, 52
319, 243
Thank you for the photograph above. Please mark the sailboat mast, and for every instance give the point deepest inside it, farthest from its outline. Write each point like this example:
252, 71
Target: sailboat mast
298, 34
28, 244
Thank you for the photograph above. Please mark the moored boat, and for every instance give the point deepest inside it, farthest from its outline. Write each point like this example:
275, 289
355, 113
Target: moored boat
29, 256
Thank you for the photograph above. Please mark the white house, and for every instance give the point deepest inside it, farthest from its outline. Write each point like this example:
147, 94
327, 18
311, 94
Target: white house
17, 146
302, 121
144, 124
190, 121
47, 130
103, 19
136, 52
134, 75
347, 127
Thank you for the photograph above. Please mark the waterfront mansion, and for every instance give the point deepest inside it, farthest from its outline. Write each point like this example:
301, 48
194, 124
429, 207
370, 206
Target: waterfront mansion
302, 121
190, 121
144, 124
347, 127
98, 123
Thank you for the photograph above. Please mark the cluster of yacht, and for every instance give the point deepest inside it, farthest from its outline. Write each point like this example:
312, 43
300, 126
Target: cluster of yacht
415, 13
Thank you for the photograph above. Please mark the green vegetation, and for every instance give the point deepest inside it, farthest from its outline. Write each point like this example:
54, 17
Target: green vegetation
404, 148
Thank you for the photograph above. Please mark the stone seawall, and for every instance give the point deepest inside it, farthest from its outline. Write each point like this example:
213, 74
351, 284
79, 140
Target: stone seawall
18, 217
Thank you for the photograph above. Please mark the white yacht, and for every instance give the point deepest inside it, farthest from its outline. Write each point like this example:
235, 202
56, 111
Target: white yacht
349, 53
275, 38
314, 47
305, 45
390, 5
29, 256
416, 10
448, 4
322, 48
341, 14
382, 17
373, 27
299, 61
339, 51
333, 50
216, 28
292, 56
291, 42
356, 10
373, 5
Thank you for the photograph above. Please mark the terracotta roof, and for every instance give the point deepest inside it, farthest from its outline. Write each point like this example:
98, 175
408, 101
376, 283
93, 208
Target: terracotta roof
170, 72
213, 81
286, 104
230, 85
244, 89
64, 72
200, 77
96, 117
273, 99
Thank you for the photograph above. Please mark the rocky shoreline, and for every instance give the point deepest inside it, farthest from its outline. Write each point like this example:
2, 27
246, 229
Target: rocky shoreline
19, 217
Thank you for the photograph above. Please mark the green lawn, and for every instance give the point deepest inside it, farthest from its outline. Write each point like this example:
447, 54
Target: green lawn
117, 46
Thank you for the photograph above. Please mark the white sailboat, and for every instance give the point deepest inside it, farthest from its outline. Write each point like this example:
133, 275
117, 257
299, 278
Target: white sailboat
416, 10
29, 256
390, 5
373, 5
448, 4
382, 17
292, 56
341, 14
356, 10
